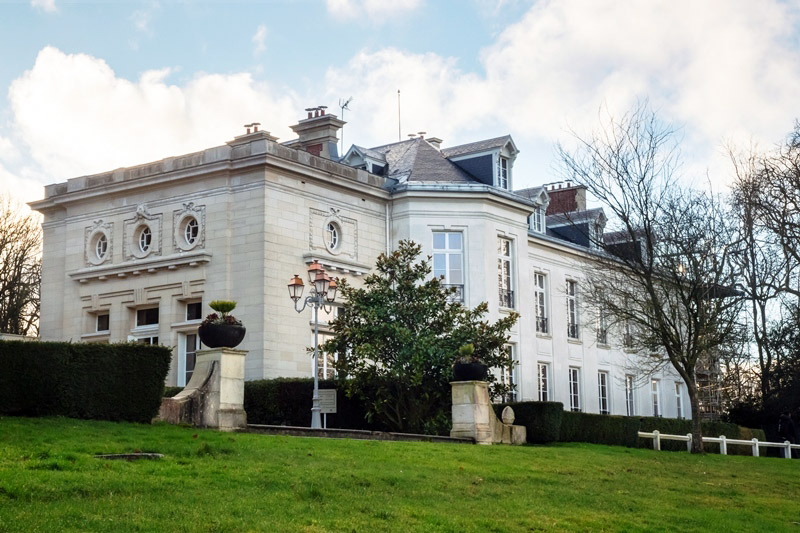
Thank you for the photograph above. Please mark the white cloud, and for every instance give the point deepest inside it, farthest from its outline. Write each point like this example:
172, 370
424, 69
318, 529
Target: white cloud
76, 117
142, 18
374, 10
722, 70
260, 40
48, 6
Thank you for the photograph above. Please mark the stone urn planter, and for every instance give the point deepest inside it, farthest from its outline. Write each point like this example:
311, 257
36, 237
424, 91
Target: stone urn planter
474, 371
469, 367
223, 330
221, 335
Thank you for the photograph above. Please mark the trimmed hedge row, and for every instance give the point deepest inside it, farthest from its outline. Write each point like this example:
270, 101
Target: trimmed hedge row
287, 402
92, 380
548, 422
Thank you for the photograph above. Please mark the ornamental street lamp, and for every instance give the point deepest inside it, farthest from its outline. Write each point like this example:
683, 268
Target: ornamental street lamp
323, 293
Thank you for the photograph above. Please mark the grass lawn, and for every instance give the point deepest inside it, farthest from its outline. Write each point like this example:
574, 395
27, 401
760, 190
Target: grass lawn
210, 481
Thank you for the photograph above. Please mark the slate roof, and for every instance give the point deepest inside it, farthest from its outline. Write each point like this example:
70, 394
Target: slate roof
531, 193
574, 217
479, 146
416, 160
369, 152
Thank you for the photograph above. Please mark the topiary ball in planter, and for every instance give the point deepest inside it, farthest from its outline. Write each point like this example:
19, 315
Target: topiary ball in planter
470, 371
221, 335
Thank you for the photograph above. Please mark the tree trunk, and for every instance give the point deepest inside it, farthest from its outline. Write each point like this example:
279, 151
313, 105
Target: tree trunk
697, 430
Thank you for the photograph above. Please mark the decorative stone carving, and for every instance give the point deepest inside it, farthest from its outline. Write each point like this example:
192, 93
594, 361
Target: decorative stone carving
97, 237
189, 227
142, 234
320, 236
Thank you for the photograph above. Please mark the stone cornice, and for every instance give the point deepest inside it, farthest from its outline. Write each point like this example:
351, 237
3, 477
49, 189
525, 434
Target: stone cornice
141, 266
337, 264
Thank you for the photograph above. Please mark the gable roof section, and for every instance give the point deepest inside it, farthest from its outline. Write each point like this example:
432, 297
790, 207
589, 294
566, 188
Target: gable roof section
416, 160
537, 195
479, 146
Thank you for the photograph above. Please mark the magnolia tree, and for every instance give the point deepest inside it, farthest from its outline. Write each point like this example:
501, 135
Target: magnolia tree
399, 336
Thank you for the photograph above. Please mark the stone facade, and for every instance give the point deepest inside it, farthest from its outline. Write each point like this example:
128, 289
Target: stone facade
238, 221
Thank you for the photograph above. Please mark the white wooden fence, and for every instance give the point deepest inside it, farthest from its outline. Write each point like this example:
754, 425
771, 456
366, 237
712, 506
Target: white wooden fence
723, 442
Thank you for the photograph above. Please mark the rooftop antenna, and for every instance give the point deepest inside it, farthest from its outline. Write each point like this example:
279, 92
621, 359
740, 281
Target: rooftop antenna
398, 115
344, 105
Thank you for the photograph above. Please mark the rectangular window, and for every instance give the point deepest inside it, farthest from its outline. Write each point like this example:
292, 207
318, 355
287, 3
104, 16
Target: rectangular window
572, 309
537, 220
194, 311
189, 355
543, 377
629, 406
602, 392
602, 325
146, 317
102, 322
508, 375
540, 296
627, 336
502, 173
147, 340
656, 395
448, 261
326, 362
504, 273
679, 398
574, 389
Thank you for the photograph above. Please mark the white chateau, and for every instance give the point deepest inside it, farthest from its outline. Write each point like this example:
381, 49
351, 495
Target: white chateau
137, 253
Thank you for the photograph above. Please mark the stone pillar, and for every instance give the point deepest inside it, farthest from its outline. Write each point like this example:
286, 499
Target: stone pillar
474, 418
214, 397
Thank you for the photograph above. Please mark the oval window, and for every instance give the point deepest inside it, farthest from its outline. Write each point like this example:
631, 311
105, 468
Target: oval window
145, 239
191, 231
334, 235
101, 247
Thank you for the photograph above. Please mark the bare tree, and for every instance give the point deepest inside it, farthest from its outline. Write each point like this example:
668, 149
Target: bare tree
20, 269
663, 272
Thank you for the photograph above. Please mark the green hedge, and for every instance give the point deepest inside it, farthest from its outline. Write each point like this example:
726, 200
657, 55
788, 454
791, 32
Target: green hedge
542, 420
287, 402
599, 429
92, 380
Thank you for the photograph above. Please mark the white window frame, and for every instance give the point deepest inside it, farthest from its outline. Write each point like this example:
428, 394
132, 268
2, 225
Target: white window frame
630, 395
543, 381
183, 351
574, 375
573, 328
602, 325
450, 261
604, 404
503, 172
537, 220
326, 366
655, 395
540, 303
679, 399
511, 377
505, 272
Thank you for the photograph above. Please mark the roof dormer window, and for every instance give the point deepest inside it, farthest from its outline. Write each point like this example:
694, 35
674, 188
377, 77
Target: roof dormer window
537, 220
503, 173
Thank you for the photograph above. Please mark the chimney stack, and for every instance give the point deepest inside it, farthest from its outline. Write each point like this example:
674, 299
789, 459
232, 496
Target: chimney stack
565, 197
317, 134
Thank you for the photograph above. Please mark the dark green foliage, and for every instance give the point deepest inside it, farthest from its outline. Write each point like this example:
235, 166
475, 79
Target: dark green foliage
287, 402
95, 381
542, 420
169, 392
399, 337
599, 429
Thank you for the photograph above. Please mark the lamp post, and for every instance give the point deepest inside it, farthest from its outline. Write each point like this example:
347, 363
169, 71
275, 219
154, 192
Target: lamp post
323, 293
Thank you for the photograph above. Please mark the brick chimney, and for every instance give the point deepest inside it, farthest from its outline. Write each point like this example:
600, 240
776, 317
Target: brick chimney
317, 133
565, 197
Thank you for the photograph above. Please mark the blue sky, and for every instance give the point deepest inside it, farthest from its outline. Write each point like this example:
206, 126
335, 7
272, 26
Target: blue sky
90, 86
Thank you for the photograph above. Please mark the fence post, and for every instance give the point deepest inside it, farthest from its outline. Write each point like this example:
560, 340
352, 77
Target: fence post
788, 453
723, 445
755, 447
656, 440
689, 442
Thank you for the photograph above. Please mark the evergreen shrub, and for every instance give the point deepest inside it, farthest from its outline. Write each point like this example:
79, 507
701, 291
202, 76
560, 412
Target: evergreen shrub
92, 380
599, 429
287, 402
